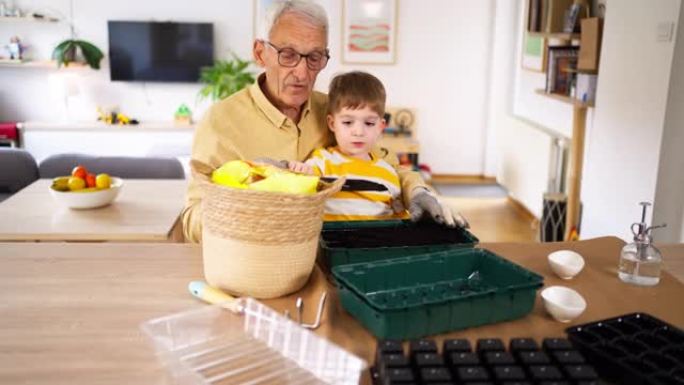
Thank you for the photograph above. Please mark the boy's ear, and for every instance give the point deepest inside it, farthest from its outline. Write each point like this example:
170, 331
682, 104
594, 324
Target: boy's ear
331, 122
258, 52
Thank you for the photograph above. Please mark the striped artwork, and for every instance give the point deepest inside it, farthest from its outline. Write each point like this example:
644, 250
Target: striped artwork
369, 31
369, 37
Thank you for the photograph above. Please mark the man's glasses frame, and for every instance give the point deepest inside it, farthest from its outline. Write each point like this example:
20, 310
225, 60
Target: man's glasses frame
290, 63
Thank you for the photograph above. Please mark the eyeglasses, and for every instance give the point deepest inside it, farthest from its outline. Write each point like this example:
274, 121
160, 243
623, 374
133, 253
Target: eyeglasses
288, 57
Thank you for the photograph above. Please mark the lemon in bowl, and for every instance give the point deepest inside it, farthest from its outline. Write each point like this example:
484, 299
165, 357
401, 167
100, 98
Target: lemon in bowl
70, 192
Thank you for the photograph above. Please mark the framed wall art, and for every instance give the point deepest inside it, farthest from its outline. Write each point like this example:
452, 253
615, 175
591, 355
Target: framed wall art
534, 53
369, 31
260, 7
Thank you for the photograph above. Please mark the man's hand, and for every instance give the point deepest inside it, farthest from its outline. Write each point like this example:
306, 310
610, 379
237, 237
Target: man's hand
424, 202
300, 167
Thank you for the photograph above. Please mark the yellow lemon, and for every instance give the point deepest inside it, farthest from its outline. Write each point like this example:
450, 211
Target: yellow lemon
103, 181
75, 183
288, 183
232, 174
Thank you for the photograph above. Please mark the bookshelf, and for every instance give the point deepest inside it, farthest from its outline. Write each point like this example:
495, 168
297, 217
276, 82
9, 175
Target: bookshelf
569, 73
556, 35
28, 18
49, 64
564, 98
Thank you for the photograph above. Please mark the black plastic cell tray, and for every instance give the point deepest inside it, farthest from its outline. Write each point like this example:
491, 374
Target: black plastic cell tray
633, 349
344, 243
421, 234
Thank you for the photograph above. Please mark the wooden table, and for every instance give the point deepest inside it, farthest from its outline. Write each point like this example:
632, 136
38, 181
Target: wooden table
70, 314
145, 210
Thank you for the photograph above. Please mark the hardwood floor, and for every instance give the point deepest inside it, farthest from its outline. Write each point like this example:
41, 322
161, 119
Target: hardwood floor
495, 219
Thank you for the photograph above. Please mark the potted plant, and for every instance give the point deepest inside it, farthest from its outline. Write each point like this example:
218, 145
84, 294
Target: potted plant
66, 52
225, 78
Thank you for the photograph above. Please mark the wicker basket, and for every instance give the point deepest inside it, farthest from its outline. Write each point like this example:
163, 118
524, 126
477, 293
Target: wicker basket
260, 244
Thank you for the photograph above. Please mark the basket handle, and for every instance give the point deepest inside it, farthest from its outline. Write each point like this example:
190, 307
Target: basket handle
200, 170
334, 188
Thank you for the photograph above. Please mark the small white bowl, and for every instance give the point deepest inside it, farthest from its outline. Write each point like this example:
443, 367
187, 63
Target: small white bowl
566, 263
88, 199
563, 303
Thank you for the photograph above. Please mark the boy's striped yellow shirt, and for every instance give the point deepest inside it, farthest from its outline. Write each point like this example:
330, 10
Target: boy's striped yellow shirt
374, 190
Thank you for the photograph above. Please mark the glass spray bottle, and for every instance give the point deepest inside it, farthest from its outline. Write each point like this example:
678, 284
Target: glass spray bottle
640, 261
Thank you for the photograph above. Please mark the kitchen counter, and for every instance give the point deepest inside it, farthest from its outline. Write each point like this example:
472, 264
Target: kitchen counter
100, 126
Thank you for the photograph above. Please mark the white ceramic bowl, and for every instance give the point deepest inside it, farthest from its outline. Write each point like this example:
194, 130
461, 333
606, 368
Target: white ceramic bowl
566, 263
563, 303
88, 199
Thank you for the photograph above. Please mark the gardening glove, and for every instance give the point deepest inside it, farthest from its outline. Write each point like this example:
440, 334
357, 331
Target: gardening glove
276, 163
424, 202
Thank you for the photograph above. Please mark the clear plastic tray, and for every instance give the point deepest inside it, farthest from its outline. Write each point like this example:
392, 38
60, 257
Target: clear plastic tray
214, 345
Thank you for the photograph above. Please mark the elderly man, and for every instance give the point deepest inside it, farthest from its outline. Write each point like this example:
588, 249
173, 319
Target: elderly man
280, 116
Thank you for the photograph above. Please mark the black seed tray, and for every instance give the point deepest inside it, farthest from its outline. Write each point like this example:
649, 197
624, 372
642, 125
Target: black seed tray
633, 349
344, 243
486, 361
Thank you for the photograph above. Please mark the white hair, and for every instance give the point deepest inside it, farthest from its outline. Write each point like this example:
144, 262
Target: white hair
307, 9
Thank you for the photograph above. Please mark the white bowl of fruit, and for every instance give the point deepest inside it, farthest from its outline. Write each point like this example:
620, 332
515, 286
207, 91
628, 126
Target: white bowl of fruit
82, 190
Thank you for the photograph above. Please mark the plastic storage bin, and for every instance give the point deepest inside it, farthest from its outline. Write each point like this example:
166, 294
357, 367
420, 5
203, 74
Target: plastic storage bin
419, 295
364, 241
633, 349
214, 345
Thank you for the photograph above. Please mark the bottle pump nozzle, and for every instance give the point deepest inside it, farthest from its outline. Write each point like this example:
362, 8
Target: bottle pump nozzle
642, 233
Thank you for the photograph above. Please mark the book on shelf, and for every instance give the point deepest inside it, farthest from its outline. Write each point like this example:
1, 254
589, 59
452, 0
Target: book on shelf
553, 15
561, 69
534, 16
579, 10
586, 88
570, 24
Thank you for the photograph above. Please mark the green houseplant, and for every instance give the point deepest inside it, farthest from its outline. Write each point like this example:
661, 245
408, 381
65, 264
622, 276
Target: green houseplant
225, 78
66, 52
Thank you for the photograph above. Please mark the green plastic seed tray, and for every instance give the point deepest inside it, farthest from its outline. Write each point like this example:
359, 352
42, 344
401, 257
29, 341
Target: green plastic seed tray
364, 241
415, 296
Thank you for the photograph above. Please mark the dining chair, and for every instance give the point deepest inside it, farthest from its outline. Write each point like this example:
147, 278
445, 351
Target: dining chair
121, 166
18, 169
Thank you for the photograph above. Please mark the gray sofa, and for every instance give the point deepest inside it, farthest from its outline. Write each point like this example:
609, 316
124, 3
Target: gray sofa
126, 167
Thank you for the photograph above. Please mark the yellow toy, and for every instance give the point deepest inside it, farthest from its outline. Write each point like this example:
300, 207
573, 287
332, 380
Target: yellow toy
114, 117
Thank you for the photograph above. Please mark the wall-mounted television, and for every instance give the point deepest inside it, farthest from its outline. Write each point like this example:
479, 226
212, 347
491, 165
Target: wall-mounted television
159, 51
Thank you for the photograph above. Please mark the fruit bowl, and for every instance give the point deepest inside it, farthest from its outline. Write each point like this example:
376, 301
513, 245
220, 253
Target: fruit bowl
88, 198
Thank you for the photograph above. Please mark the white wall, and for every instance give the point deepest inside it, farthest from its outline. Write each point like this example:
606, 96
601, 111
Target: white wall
441, 68
29, 96
513, 166
624, 163
669, 197
500, 98
524, 163
623, 147
518, 117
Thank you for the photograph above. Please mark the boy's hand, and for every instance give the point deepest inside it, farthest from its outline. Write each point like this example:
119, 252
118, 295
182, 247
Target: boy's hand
271, 161
300, 167
425, 202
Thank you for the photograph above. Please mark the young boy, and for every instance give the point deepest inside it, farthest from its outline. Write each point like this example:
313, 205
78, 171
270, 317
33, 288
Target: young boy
356, 106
